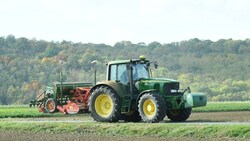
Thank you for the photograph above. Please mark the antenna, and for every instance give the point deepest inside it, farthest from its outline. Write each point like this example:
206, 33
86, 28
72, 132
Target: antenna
61, 78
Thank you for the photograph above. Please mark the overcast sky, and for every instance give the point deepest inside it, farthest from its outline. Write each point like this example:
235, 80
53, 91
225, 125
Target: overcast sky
110, 21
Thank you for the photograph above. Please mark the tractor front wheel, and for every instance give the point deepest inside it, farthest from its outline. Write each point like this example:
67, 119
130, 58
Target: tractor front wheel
50, 105
152, 108
105, 105
179, 115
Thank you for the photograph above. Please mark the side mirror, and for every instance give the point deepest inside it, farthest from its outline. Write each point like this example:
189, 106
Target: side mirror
156, 64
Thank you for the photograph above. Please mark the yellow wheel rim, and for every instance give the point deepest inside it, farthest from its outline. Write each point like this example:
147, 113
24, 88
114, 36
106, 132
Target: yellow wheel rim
149, 108
103, 105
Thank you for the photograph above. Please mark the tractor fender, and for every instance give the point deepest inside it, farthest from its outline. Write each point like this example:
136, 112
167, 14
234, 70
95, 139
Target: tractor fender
144, 92
113, 85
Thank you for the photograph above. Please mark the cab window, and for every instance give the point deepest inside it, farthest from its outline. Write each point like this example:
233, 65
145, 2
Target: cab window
119, 73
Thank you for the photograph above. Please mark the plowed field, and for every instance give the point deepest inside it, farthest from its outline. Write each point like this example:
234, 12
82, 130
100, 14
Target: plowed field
195, 118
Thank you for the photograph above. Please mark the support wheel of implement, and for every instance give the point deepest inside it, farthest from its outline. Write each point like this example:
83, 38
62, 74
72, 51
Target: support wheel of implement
105, 105
152, 108
50, 105
179, 115
133, 116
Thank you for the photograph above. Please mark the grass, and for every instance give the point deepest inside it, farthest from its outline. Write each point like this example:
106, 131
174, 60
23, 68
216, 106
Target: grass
135, 129
224, 106
23, 111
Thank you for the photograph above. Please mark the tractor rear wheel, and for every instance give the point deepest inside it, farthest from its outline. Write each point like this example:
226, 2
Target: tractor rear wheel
152, 108
179, 115
105, 105
50, 105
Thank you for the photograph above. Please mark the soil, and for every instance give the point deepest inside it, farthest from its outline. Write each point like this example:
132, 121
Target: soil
237, 116
28, 136
241, 116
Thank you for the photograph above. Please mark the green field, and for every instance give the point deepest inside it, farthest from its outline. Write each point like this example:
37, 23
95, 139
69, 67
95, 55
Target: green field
14, 111
24, 111
224, 106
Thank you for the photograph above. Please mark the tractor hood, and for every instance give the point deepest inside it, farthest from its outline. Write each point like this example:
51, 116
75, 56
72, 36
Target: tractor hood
158, 80
161, 84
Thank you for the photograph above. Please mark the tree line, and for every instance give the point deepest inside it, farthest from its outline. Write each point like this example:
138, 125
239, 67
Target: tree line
219, 69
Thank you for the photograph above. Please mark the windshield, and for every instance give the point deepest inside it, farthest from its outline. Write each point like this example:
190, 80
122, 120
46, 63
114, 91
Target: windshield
140, 71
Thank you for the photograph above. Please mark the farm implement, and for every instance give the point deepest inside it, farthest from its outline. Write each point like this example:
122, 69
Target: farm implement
67, 98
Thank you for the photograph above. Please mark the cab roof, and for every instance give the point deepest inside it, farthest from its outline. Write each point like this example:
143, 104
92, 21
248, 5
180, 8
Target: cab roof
126, 61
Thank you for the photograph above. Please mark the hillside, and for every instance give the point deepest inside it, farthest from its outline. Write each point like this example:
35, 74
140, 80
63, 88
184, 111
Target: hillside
219, 69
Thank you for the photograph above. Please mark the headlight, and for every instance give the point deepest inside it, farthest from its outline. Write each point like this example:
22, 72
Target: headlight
137, 85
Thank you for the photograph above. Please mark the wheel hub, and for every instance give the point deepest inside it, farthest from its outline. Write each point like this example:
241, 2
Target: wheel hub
150, 108
50, 105
107, 105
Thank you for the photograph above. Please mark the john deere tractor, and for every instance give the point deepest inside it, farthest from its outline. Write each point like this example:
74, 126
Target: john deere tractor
131, 94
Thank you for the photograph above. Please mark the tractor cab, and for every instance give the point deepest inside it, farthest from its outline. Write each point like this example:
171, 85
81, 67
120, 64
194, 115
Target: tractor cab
128, 72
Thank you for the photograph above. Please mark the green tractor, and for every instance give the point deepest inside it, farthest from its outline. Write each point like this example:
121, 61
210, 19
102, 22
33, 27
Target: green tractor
131, 94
